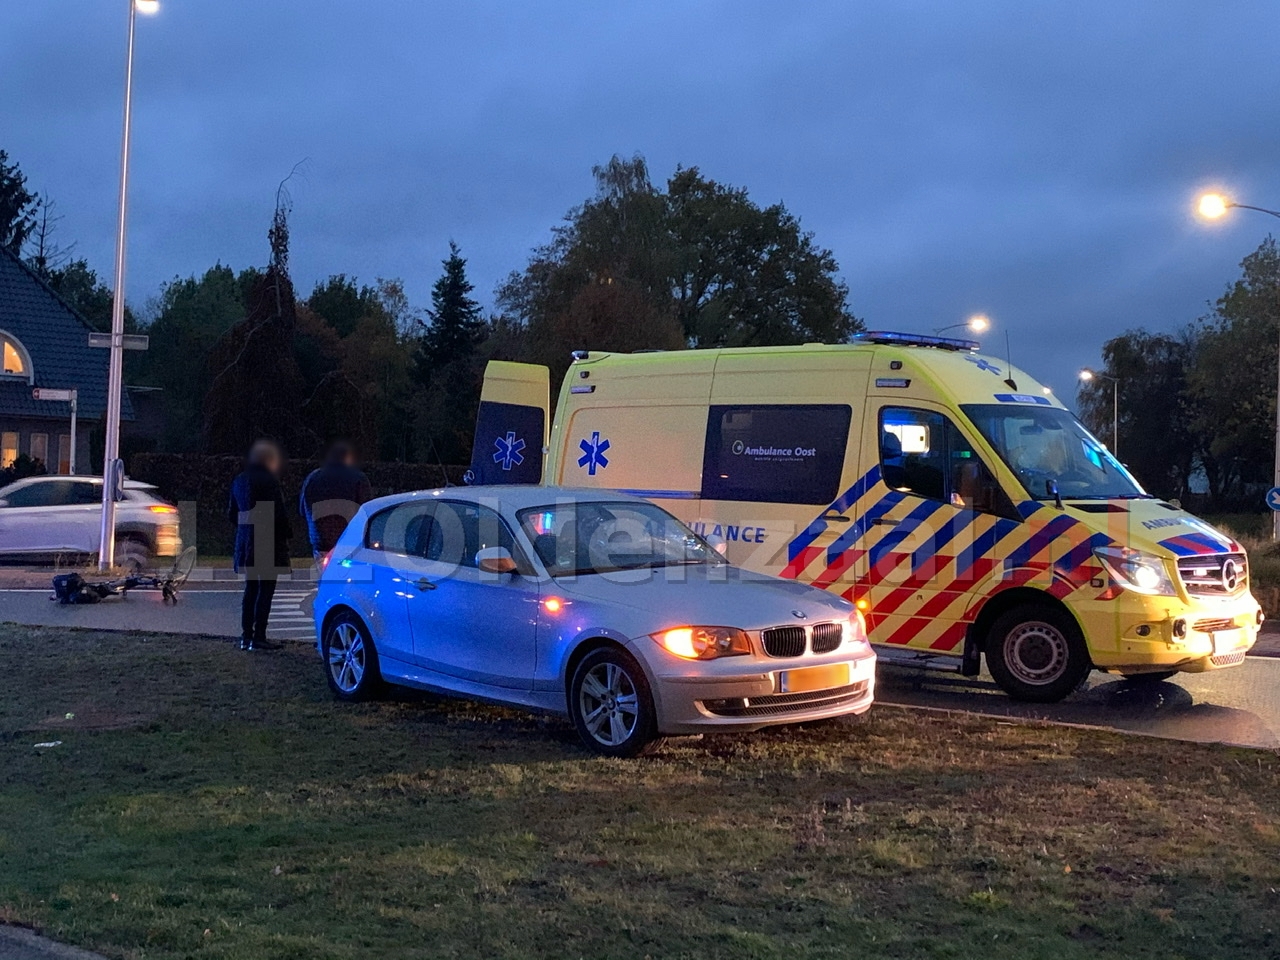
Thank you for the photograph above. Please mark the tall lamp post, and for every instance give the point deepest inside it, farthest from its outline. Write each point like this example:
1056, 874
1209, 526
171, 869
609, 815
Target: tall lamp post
115, 364
1086, 375
1214, 206
978, 323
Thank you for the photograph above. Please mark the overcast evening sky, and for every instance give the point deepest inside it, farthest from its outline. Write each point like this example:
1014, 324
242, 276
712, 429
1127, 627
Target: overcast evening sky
1035, 162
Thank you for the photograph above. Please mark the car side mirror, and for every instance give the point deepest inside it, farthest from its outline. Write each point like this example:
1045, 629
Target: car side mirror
717, 543
496, 560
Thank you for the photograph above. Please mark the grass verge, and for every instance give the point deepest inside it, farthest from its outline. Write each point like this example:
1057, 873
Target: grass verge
206, 803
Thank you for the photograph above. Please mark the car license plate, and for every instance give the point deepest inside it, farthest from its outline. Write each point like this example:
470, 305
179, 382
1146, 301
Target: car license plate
813, 678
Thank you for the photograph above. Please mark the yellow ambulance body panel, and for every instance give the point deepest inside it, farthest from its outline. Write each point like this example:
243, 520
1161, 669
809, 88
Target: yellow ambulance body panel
952, 497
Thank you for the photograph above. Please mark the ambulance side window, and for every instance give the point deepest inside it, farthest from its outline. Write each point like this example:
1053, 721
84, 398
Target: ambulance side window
923, 452
775, 453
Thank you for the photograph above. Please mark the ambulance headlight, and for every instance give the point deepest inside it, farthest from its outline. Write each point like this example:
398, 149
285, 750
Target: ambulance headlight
1134, 570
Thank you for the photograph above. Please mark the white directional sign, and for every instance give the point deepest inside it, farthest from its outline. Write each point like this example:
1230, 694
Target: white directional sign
44, 393
130, 341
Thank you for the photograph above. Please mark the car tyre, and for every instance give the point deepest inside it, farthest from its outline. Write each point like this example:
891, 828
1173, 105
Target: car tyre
350, 659
132, 554
1037, 653
611, 704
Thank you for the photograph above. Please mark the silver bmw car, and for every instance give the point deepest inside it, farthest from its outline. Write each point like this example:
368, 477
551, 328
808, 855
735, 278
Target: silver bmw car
590, 604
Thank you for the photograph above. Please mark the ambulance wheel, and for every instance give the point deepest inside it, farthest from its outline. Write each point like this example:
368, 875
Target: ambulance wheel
1037, 653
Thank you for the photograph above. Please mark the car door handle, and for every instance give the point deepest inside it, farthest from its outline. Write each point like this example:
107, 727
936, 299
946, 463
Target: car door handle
835, 517
425, 584
885, 522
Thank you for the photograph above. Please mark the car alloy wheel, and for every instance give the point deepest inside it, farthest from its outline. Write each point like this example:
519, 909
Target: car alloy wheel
609, 703
347, 657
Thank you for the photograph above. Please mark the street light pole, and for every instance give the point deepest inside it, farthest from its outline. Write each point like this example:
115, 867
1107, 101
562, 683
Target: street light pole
115, 364
1213, 206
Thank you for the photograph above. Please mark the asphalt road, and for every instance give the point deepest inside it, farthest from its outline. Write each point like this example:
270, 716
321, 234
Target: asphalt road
1240, 705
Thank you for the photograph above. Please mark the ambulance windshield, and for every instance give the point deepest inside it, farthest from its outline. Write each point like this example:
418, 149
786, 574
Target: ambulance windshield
1046, 446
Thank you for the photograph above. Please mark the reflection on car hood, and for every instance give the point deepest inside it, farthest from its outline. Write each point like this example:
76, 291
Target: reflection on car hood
709, 595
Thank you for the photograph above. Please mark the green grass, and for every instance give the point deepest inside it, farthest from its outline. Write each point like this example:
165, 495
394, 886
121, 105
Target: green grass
211, 804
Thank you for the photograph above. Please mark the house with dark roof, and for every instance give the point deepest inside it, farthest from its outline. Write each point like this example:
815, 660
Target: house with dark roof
45, 344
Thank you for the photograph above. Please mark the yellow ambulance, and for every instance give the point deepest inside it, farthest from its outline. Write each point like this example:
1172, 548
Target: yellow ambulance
951, 496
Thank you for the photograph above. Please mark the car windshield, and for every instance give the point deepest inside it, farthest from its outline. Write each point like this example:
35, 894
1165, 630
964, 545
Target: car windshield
1045, 446
574, 539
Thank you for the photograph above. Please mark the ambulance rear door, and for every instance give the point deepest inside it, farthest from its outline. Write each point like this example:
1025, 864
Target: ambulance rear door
511, 424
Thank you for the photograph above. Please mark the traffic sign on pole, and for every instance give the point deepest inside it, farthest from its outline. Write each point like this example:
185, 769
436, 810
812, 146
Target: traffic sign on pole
1273, 499
45, 393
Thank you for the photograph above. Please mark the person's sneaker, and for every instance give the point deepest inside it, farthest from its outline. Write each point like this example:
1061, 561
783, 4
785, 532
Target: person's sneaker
246, 643
266, 645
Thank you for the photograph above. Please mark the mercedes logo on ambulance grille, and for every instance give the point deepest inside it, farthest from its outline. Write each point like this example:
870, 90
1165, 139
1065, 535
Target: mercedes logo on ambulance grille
1230, 575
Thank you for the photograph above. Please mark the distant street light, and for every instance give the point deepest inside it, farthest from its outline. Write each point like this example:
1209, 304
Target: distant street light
1214, 206
978, 323
1086, 375
115, 365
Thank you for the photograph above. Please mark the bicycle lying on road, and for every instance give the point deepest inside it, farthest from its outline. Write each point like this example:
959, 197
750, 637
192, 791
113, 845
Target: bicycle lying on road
73, 588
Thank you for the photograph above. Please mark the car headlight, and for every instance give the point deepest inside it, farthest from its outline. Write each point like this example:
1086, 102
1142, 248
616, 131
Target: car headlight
704, 643
855, 634
1134, 570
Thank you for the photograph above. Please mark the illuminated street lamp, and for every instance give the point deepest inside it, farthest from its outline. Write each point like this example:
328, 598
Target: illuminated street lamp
978, 323
1214, 206
1087, 375
115, 365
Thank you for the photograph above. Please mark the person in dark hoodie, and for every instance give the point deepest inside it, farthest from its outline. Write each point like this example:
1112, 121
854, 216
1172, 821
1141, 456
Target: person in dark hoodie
331, 495
257, 509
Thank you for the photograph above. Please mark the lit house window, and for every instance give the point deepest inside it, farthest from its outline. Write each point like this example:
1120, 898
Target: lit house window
13, 358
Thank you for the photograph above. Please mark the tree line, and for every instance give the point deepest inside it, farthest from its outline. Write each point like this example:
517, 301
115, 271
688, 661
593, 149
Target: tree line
236, 354
1197, 408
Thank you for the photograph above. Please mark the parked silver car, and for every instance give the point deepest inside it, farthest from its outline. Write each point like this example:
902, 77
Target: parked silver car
46, 518
595, 605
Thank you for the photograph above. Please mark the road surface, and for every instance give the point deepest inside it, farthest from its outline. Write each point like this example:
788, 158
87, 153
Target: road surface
1239, 705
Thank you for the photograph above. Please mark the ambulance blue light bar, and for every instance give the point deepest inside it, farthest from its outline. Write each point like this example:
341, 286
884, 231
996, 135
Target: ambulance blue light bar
916, 340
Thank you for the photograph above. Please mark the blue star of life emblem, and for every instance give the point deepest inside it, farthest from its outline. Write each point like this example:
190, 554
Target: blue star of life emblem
983, 364
593, 453
509, 450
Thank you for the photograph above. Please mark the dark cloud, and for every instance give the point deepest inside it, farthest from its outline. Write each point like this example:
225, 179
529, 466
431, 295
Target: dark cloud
1032, 161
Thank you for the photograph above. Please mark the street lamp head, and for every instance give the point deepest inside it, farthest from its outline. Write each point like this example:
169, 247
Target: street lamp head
979, 323
147, 7
1086, 375
1213, 206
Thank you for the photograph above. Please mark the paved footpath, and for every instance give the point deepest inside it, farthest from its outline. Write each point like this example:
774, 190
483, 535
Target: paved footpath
18, 943
209, 609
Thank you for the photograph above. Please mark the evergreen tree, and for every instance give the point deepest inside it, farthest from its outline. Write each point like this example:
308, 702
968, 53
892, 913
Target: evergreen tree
446, 365
457, 325
18, 207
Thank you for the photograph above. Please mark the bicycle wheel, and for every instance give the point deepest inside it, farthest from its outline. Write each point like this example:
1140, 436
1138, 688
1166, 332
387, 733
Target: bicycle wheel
182, 567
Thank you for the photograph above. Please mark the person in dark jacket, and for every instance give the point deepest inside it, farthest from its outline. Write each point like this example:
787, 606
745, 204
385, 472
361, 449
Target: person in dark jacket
330, 497
257, 509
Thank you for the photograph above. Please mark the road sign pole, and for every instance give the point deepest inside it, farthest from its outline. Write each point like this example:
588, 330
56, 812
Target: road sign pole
71, 469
